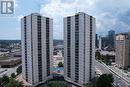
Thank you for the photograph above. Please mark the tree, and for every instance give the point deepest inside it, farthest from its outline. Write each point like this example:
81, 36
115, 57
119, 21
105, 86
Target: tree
60, 64
14, 83
1, 82
13, 75
57, 84
4, 80
105, 80
89, 85
98, 55
19, 70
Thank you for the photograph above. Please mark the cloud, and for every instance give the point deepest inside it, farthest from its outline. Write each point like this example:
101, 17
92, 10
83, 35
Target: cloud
110, 14
57, 9
64, 8
113, 15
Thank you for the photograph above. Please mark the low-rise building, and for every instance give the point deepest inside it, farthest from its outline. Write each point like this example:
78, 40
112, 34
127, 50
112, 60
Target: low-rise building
57, 58
10, 62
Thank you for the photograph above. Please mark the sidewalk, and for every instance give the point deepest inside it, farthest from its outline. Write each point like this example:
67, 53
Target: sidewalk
20, 79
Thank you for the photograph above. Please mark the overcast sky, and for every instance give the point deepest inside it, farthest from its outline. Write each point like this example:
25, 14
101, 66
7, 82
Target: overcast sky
109, 14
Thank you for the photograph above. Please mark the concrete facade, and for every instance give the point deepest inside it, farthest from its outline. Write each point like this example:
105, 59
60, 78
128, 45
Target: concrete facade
79, 48
37, 47
123, 50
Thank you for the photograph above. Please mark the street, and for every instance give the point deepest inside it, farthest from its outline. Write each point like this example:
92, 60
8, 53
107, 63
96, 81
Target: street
120, 80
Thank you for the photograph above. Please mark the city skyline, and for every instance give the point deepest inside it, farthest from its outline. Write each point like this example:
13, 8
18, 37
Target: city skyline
110, 15
65, 43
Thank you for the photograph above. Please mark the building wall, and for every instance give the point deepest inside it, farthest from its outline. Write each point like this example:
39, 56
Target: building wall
35, 65
81, 67
123, 50
111, 37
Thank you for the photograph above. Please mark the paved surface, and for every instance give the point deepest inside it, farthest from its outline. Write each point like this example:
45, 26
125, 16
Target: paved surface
20, 79
107, 52
8, 71
120, 79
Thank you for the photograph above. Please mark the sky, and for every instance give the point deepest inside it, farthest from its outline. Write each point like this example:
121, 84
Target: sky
109, 14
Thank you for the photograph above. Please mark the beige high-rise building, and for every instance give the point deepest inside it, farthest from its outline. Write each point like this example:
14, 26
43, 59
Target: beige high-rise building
37, 47
123, 50
79, 48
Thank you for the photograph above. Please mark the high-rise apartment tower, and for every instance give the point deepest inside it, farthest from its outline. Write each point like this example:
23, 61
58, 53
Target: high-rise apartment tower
37, 47
79, 48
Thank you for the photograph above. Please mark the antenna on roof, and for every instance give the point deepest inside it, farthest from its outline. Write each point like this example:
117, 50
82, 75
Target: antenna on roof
39, 8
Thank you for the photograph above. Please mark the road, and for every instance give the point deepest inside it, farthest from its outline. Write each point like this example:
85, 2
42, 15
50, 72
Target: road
121, 80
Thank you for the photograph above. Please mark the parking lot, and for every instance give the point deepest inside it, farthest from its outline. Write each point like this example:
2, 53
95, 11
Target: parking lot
8, 71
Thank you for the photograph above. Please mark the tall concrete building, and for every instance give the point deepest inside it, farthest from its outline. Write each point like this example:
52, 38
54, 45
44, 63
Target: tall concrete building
111, 38
96, 41
37, 47
123, 50
79, 48
108, 42
100, 43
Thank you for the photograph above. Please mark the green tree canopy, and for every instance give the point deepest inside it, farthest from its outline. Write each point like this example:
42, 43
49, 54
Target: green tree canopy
13, 75
57, 84
105, 80
89, 85
4, 80
14, 83
19, 70
60, 64
98, 55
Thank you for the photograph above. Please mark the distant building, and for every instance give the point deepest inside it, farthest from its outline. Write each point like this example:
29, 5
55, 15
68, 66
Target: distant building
109, 55
111, 33
96, 41
16, 54
10, 62
59, 47
100, 43
123, 50
108, 42
105, 42
57, 58
37, 48
111, 37
79, 48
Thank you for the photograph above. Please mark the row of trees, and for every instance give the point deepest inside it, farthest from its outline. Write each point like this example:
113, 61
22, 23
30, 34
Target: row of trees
103, 58
6, 81
18, 71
